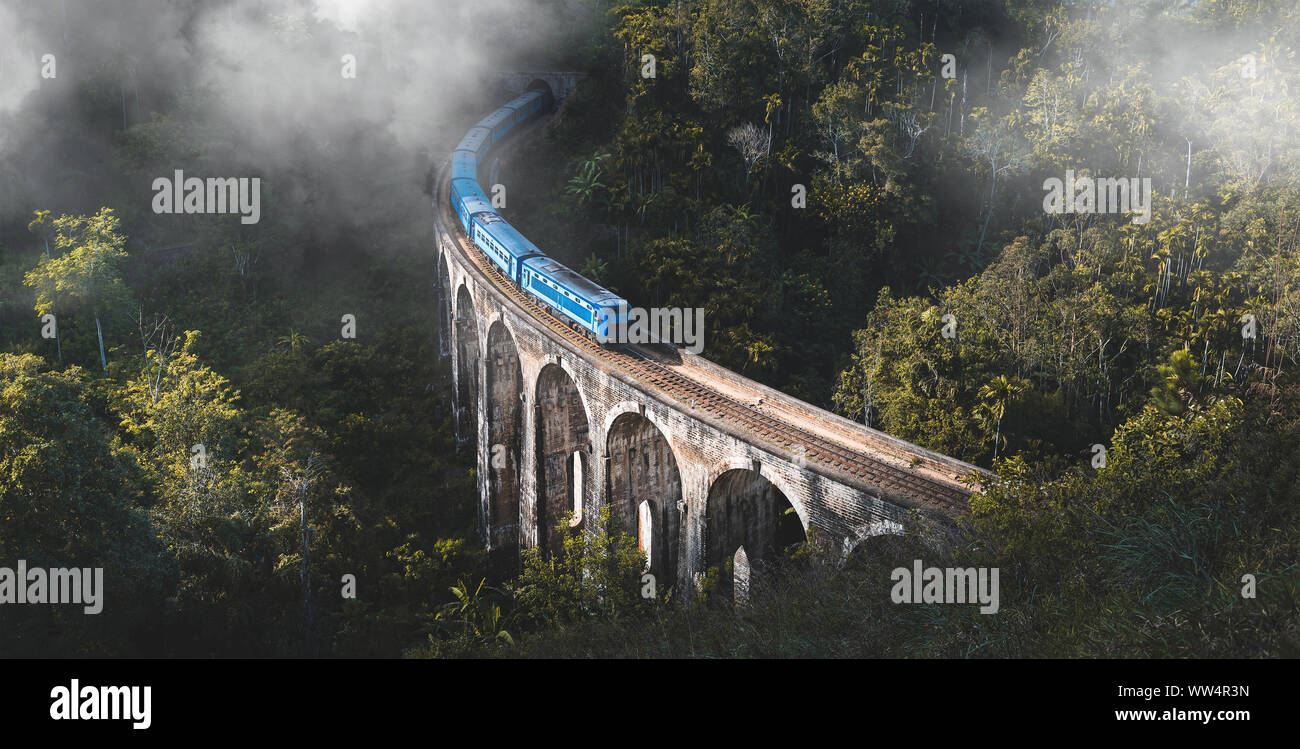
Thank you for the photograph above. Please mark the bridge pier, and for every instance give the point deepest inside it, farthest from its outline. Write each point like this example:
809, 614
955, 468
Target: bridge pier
528, 536
695, 499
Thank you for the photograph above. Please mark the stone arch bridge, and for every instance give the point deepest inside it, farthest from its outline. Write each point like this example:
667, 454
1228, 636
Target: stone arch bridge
701, 464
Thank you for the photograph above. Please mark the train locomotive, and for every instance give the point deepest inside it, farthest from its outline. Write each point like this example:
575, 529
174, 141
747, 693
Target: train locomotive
569, 296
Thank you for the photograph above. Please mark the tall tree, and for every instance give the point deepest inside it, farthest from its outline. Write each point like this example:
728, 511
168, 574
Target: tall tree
87, 274
998, 394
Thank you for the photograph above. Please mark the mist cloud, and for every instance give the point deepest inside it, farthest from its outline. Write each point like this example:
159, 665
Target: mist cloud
263, 79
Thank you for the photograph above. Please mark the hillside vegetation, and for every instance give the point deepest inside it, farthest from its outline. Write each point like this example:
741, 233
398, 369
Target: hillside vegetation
861, 218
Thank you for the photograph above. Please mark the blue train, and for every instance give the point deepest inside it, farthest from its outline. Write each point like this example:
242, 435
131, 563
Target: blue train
565, 293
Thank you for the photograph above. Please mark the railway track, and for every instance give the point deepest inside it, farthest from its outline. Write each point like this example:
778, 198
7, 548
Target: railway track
912, 490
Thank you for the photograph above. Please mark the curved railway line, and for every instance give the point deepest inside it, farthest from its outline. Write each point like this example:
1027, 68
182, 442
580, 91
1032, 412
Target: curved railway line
903, 487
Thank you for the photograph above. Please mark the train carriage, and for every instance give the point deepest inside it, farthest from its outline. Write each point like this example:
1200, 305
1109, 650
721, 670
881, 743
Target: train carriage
467, 199
477, 141
499, 122
502, 243
593, 307
464, 165
527, 105
589, 306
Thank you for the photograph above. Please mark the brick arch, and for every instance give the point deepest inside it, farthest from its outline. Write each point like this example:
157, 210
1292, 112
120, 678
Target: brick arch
633, 407
445, 301
497, 316
503, 386
870, 535
642, 467
735, 464
872, 530
563, 447
462, 293
745, 508
468, 354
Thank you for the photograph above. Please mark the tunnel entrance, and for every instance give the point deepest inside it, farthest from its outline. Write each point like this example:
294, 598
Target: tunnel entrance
505, 385
745, 511
466, 369
644, 489
545, 87
563, 473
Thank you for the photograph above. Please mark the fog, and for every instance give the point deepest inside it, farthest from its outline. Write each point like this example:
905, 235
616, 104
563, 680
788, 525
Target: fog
260, 89
256, 88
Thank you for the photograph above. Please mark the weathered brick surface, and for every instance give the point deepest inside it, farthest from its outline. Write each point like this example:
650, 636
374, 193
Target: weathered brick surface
840, 513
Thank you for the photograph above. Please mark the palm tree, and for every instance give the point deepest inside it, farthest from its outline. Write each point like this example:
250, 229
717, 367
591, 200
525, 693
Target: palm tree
586, 183
746, 216
1179, 385
294, 341
595, 269
759, 353
997, 394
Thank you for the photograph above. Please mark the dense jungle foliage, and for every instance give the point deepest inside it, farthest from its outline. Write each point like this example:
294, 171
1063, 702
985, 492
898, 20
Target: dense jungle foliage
862, 220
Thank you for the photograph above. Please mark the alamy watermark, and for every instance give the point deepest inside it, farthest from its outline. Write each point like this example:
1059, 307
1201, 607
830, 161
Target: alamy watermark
58, 585
1100, 195
75, 702
180, 194
946, 585
684, 327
